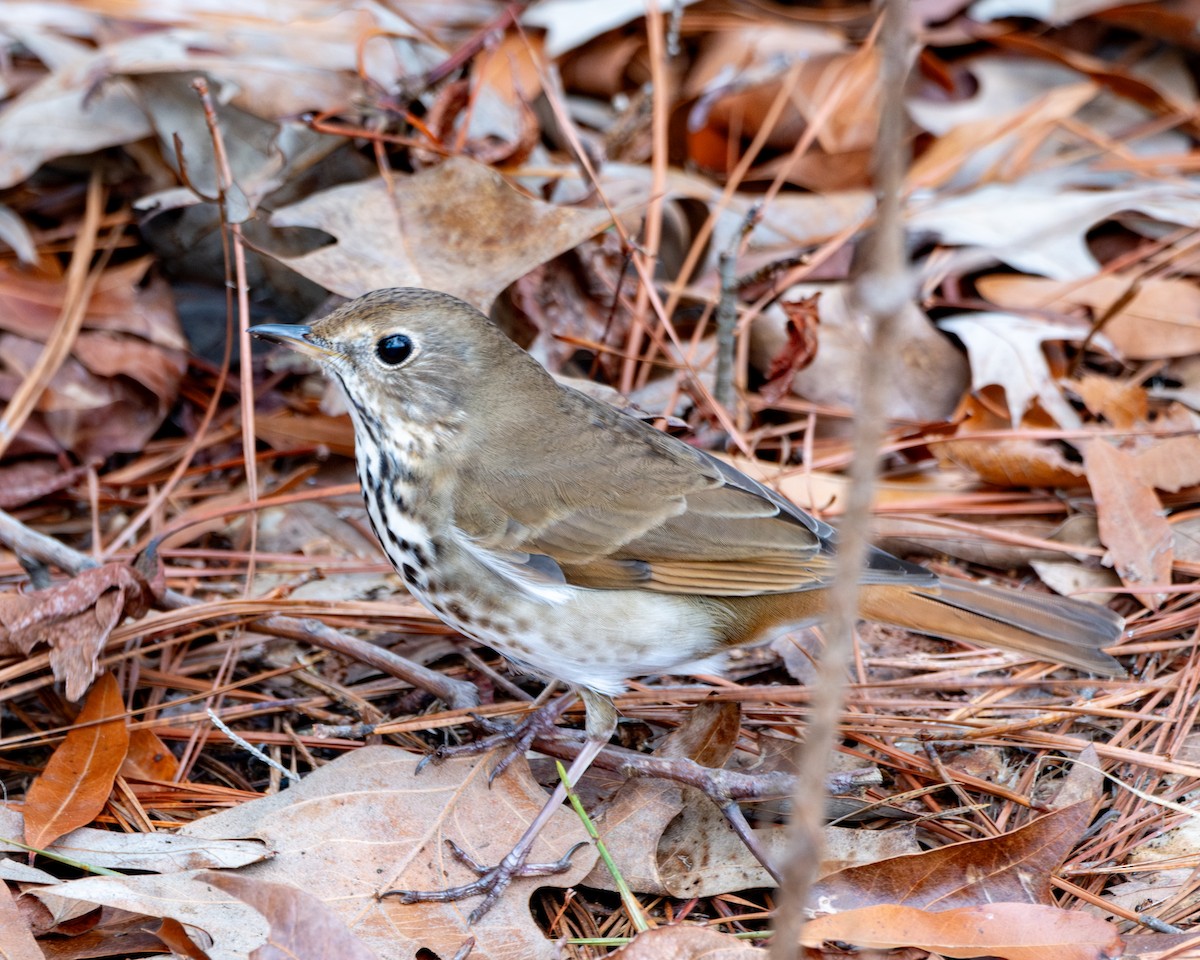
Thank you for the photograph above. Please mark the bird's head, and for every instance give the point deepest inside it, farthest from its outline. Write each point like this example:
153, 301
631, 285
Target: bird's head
407, 356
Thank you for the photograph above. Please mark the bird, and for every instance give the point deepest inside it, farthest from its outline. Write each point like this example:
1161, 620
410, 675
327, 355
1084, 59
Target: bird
589, 547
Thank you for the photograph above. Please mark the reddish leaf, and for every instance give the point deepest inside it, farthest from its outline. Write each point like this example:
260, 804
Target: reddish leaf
76, 783
801, 349
1013, 931
1009, 868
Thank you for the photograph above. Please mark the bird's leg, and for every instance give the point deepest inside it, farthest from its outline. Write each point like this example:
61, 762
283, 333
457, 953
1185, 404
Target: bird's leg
493, 881
517, 738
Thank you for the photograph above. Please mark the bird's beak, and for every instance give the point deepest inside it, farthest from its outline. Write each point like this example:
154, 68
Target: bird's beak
294, 335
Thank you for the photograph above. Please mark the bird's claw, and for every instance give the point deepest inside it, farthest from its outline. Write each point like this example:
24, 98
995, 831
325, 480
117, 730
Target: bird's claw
492, 882
501, 733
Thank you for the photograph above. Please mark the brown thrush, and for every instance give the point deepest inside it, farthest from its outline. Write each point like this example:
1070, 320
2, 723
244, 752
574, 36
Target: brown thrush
589, 547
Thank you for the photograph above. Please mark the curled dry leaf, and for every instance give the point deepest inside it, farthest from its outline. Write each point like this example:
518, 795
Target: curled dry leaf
1012, 931
1012, 461
79, 776
74, 619
800, 349
929, 373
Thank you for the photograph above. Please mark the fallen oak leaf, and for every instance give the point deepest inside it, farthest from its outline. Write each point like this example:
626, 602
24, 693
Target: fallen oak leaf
1012, 931
410, 232
74, 619
79, 776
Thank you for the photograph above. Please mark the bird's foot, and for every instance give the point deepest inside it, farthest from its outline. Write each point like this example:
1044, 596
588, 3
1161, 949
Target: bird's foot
516, 737
492, 882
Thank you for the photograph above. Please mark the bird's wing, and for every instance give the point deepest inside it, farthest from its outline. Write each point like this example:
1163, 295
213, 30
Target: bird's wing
615, 504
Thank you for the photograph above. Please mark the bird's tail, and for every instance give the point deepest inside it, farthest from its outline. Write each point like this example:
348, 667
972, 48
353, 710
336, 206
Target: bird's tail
1051, 628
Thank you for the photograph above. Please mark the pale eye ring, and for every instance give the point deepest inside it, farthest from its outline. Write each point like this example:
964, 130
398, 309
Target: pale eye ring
394, 349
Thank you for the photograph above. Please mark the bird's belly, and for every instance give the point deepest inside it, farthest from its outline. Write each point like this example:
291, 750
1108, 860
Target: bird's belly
594, 638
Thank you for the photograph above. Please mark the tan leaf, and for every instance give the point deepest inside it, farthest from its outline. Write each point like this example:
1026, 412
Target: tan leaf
1013, 931
301, 925
1160, 319
79, 776
366, 823
1121, 402
459, 228
1133, 524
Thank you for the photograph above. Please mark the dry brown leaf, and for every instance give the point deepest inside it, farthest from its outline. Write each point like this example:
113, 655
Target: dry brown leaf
1012, 931
1170, 463
79, 775
1133, 524
365, 823
1160, 320
1012, 462
1015, 866
423, 233
1121, 402
74, 619
686, 943
301, 924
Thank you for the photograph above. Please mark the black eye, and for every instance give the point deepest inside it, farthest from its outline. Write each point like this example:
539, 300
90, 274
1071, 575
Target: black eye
394, 349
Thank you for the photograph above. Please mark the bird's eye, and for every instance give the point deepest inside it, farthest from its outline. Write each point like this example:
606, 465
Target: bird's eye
394, 349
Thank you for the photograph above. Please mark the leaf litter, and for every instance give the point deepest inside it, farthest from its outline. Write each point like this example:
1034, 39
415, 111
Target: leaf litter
547, 164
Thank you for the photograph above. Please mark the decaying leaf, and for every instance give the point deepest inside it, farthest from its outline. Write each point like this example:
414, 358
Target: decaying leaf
79, 775
74, 619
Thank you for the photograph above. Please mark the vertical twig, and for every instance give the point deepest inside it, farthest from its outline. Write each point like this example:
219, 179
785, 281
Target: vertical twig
881, 291
233, 231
